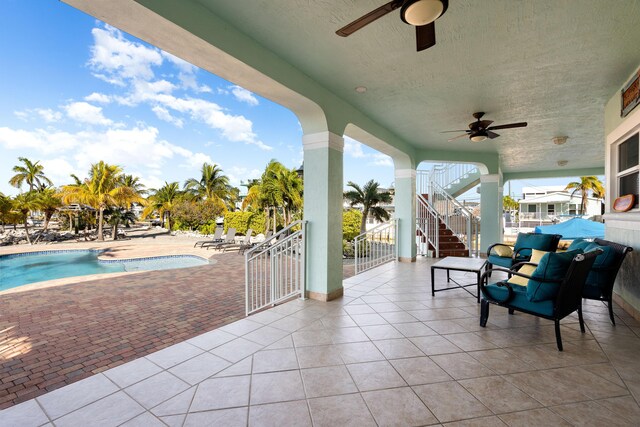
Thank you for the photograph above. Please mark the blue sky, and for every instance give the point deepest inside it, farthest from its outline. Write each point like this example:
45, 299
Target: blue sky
76, 91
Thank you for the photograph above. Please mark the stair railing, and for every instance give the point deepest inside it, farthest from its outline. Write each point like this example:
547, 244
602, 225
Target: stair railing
444, 175
427, 227
456, 217
376, 246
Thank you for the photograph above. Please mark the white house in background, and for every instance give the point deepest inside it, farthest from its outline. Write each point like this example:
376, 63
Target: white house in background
547, 205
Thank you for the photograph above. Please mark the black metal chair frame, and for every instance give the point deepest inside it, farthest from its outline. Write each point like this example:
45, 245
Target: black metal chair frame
568, 299
607, 288
516, 254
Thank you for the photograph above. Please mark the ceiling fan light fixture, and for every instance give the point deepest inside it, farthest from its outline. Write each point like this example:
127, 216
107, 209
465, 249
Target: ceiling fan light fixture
421, 12
562, 162
478, 137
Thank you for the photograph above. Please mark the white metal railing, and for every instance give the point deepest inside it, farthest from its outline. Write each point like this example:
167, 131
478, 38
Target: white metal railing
274, 268
376, 246
456, 217
427, 227
445, 175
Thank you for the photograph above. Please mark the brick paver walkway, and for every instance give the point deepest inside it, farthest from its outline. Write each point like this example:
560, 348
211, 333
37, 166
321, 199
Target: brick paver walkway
55, 336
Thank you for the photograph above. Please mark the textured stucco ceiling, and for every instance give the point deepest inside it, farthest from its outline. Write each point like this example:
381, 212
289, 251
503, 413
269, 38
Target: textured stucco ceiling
553, 63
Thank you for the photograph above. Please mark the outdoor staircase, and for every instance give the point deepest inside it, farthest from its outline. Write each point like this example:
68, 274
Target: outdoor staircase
444, 227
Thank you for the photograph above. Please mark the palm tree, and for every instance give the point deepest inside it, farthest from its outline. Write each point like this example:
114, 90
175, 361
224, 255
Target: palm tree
5, 209
22, 205
101, 190
162, 201
213, 184
31, 173
586, 184
134, 183
48, 202
116, 216
369, 197
291, 189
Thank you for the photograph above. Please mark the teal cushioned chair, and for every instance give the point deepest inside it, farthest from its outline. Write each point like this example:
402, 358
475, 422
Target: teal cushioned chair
522, 249
567, 299
603, 274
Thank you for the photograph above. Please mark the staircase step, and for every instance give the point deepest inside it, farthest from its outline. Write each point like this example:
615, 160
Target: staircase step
454, 252
451, 245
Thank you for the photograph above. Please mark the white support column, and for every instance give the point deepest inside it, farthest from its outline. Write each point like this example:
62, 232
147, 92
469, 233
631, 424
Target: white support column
490, 210
323, 198
405, 212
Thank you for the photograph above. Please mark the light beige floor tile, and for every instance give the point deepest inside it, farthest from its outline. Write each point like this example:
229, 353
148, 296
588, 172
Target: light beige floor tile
398, 348
624, 406
375, 376
353, 309
241, 327
385, 307
501, 361
449, 401
132, 372
67, 399
346, 335
381, 332
220, 393
469, 341
266, 335
398, 407
176, 405
174, 420
461, 366
338, 322
344, 411
284, 414
311, 338
435, 344
534, 417
588, 383
499, 395
477, 422
236, 417
175, 354
447, 327
368, 319
274, 360
327, 381
315, 357
199, 368
398, 317
359, 352
211, 339
144, 420
286, 342
420, 370
414, 329
28, 414
276, 387
236, 350
538, 383
590, 414
242, 367
112, 410
156, 389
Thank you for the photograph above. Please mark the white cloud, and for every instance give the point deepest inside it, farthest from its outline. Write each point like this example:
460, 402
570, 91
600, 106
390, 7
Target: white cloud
22, 115
243, 95
380, 159
238, 175
186, 73
165, 115
59, 170
353, 148
48, 115
98, 97
115, 58
39, 139
86, 113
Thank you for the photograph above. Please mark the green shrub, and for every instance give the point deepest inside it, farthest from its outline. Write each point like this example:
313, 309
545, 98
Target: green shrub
242, 221
208, 228
351, 220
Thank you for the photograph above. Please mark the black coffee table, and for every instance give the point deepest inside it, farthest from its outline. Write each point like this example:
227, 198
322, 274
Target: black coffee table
454, 263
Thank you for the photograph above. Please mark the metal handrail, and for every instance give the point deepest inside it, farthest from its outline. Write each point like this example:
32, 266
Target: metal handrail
444, 175
275, 268
376, 246
428, 224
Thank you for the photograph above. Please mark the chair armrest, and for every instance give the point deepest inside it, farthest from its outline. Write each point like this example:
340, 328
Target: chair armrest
497, 244
516, 266
516, 253
483, 284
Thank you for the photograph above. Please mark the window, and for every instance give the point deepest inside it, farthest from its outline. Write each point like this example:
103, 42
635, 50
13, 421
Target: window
531, 208
551, 209
627, 172
573, 209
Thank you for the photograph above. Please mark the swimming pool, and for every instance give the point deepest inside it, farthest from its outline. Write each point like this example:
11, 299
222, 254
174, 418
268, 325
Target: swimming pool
21, 269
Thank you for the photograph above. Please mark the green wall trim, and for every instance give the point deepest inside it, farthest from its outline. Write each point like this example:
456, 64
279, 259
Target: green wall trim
556, 173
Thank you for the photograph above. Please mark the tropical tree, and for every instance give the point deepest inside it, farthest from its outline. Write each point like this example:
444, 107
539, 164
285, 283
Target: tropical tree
5, 209
509, 204
369, 196
48, 202
102, 189
163, 201
584, 186
31, 173
22, 205
212, 185
134, 183
116, 216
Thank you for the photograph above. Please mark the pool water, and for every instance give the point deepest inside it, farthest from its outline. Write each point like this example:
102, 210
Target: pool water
21, 269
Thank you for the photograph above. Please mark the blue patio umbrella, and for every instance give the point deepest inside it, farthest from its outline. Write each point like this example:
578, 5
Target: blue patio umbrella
575, 228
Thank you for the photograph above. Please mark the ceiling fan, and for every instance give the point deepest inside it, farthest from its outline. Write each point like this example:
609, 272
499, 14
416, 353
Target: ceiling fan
481, 129
419, 13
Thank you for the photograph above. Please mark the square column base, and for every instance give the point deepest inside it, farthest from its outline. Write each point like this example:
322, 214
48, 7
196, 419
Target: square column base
407, 259
335, 294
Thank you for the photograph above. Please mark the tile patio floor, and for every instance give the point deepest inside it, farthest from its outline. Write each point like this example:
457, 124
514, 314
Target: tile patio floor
385, 354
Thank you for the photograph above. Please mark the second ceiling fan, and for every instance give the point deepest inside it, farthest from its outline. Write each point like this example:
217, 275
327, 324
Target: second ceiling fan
419, 13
